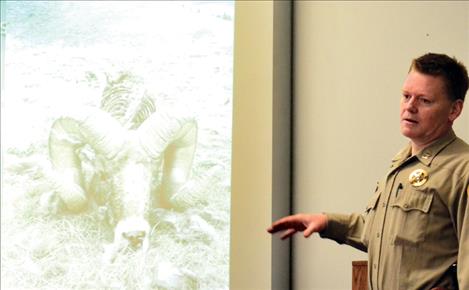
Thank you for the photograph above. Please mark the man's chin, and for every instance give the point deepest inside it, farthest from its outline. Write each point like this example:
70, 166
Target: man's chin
406, 132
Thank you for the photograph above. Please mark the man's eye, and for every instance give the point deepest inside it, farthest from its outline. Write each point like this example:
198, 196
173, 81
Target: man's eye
426, 101
405, 96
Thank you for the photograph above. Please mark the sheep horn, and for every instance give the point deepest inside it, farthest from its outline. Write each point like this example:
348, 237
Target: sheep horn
173, 139
98, 129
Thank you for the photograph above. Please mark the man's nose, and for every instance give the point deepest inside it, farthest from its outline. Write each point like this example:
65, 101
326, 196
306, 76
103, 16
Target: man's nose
411, 104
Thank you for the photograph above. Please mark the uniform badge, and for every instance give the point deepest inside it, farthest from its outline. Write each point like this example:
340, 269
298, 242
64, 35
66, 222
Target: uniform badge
418, 177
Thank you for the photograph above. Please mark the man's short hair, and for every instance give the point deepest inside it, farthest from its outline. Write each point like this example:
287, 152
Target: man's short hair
453, 72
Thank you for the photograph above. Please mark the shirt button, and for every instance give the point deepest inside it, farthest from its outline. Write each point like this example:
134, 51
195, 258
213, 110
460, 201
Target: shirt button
377, 235
384, 204
406, 205
374, 266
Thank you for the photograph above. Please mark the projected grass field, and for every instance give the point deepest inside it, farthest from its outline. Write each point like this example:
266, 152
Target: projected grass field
59, 57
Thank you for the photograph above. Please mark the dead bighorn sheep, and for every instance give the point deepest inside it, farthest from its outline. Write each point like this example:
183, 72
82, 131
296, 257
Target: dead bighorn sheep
134, 153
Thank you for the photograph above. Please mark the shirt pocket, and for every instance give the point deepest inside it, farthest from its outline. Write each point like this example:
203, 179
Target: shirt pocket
369, 216
411, 214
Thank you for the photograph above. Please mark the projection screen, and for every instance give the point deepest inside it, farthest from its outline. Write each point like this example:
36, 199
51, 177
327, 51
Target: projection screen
116, 144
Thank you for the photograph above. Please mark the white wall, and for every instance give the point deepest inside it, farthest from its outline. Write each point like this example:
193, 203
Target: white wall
350, 61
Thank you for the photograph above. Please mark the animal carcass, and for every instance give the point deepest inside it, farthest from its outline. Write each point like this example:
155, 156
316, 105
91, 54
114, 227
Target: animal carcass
150, 149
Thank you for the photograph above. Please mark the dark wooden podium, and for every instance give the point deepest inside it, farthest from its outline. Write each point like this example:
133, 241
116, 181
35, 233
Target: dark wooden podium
359, 275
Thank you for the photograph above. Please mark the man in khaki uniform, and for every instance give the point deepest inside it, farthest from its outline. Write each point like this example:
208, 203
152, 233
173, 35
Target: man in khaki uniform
416, 225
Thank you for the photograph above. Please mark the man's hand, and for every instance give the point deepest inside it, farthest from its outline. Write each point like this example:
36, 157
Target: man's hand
306, 223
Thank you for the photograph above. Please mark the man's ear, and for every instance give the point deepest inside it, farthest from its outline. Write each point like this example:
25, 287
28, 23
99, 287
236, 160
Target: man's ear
456, 109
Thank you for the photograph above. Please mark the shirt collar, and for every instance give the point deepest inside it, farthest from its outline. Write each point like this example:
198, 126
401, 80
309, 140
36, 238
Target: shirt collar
426, 155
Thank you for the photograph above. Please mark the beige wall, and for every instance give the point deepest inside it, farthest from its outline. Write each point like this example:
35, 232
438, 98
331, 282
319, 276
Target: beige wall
251, 182
261, 144
350, 61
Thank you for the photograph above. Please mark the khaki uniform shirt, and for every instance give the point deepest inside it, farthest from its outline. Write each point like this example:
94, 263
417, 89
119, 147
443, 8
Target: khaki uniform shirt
416, 225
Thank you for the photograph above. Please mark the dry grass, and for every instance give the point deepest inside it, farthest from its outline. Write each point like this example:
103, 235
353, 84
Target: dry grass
189, 248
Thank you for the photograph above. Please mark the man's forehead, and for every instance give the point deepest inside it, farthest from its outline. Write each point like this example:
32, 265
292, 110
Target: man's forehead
420, 83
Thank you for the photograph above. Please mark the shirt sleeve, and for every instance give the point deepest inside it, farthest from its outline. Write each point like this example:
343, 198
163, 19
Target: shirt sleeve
461, 215
345, 229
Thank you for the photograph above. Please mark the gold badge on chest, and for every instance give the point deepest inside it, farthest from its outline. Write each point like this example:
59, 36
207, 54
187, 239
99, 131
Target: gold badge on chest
418, 177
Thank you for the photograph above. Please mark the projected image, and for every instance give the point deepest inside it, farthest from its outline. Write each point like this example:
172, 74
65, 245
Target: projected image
116, 144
